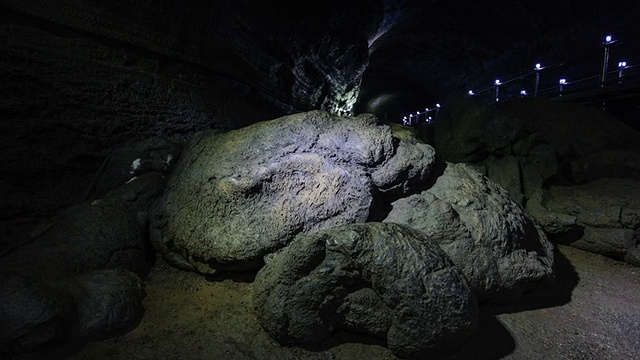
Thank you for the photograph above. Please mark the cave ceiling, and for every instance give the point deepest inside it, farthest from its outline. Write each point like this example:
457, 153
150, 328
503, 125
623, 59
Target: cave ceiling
384, 56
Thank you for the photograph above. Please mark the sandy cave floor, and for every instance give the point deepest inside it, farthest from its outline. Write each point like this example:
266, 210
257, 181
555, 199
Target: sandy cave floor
590, 311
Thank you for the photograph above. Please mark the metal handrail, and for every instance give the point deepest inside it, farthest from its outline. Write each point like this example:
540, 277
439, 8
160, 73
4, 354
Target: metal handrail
563, 86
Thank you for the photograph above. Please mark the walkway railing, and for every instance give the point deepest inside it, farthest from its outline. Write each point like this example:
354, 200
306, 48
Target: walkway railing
422, 117
580, 75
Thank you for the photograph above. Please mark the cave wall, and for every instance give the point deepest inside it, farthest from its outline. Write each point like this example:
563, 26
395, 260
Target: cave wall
69, 97
83, 78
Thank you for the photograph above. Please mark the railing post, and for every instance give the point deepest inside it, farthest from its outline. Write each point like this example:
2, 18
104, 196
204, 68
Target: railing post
497, 84
561, 84
621, 66
608, 40
537, 70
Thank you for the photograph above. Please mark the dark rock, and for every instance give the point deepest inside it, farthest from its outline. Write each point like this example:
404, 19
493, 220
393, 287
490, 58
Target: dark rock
380, 279
608, 163
237, 196
611, 242
507, 173
603, 211
543, 158
532, 182
552, 141
632, 256
79, 275
411, 164
33, 314
551, 222
129, 161
600, 203
108, 301
487, 235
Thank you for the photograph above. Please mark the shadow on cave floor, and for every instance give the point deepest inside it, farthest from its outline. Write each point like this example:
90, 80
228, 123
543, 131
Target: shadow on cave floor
555, 291
550, 293
592, 316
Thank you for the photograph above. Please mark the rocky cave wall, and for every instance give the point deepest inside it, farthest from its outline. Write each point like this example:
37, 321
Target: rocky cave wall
82, 78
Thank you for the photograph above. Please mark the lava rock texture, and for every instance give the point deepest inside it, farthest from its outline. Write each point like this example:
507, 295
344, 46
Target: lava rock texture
80, 275
486, 234
237, 196
551, 159
384, 280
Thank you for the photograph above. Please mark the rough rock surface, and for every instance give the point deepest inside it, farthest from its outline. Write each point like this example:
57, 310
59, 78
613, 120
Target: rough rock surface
80, 274
487, 235
379, 279
623, 163
528, 144
537, 144
602, 216
130, 161
237, 196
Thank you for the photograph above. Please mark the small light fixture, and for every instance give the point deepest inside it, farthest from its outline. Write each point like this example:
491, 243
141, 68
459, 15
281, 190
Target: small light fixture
497, 82
471, 93
538, 67
523, 93
621, 66
562, 82
608, 39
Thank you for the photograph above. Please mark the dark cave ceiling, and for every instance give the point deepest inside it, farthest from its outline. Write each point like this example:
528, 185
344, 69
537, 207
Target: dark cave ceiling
439, 49
390, 55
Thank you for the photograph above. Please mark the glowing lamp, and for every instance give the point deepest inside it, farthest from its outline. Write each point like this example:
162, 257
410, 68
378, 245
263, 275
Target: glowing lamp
471, 93
608, 39
538, 67
562, 81
622, 64
497, 82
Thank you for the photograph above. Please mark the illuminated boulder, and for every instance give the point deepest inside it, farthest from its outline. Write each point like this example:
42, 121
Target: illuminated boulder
485, 233
237, 196
382, 280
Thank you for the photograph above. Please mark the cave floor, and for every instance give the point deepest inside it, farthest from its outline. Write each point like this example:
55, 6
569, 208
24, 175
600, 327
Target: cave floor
590, 311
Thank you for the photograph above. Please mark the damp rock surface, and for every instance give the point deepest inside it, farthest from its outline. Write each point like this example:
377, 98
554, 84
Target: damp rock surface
238, 196
378, 279
79, 276
487, 235
605, 216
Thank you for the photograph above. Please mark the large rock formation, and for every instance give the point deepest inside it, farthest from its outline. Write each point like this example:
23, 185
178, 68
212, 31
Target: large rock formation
237, 196
536, 149
602, 216
78, 276
383, 280
487, 235
300, 191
